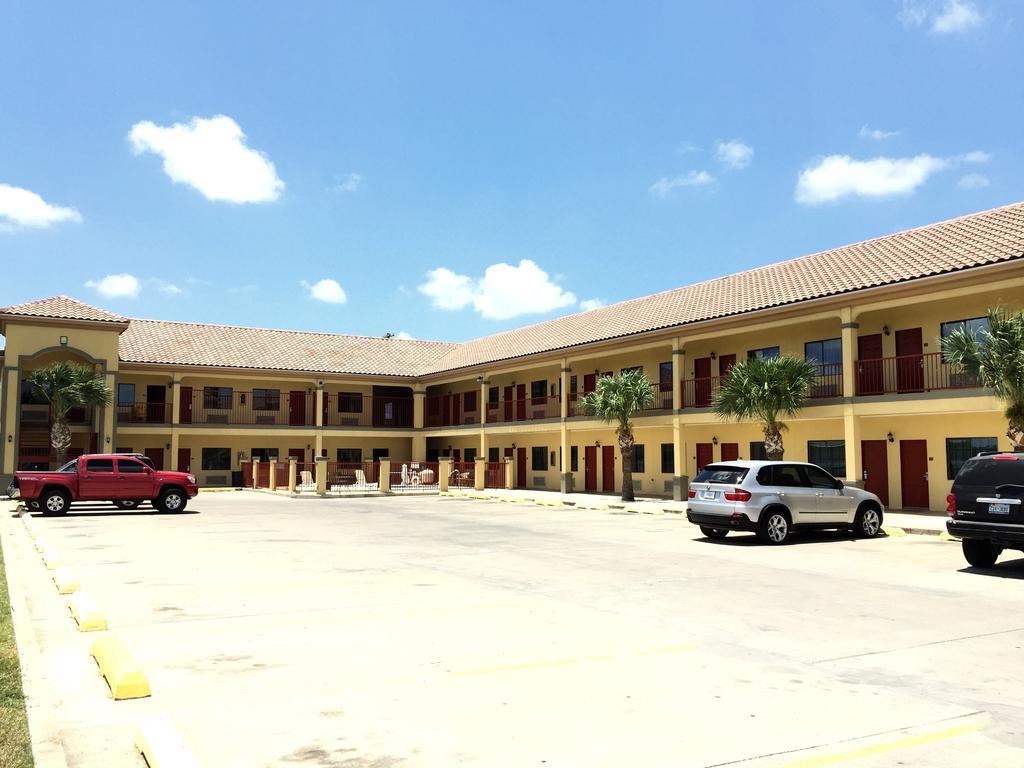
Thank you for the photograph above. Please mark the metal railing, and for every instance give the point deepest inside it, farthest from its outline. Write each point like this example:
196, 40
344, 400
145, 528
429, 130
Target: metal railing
358, 410
414, 476
462, 474
926, 372
352, 476
144, 413
222, 405
450, 410
494, 474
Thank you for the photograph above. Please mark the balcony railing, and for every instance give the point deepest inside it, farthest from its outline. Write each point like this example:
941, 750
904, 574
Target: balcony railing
528, 409
355, 410
911, 373
662, 401
450, 410
700, 393
144, 413
264, 408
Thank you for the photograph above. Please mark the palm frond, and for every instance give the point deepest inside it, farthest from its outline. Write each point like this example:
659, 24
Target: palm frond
66, 385
764, 388
618, 398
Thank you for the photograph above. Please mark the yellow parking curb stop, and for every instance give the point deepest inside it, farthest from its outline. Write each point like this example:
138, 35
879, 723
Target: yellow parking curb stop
86, 613
52, 558
120, 669
162, 746
891, 530
946, 536
65, 580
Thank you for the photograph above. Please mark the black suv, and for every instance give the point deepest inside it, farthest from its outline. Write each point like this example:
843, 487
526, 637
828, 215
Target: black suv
986, 506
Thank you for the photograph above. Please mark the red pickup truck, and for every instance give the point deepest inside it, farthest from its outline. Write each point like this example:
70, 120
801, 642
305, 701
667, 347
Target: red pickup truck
120, 478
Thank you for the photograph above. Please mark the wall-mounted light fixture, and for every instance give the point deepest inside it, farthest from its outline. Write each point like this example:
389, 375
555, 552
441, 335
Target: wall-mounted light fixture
714, 356
714, 440
597, 443
479, 379
10, 438
890, 438
513, 445
167, 446
64, 341
885, 330
107, 440
308, 446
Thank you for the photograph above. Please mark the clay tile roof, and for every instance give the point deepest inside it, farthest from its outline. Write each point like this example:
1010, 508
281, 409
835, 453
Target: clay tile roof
63, 308
980, 239
171, 343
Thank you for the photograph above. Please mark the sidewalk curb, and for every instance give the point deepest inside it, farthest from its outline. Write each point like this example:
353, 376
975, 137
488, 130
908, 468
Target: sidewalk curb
47, 747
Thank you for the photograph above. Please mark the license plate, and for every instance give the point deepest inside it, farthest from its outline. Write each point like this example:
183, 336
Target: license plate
999, 509
707, 495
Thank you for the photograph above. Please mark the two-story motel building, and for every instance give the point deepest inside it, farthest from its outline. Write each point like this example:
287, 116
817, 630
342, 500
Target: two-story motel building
886, 409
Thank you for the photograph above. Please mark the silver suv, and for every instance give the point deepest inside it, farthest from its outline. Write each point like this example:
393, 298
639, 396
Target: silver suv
772, 498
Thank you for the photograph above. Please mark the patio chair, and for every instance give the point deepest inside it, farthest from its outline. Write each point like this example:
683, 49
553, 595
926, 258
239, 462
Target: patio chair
306, 482
361, 480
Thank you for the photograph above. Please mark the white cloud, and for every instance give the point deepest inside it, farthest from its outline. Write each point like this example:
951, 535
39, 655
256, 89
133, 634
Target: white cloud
735, 154
664, 186
165, 287
22, 209
973, 181
350, 182
977, 156
504, 291
210, 155
957, 16
838, 176
953, 16
123, 286
588, 304
405, 336
326, 290
876, 133
686, 147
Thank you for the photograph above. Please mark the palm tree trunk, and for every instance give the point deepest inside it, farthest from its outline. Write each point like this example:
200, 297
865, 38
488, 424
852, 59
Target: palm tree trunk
773, 447
1016, 433
626, 443
60, 439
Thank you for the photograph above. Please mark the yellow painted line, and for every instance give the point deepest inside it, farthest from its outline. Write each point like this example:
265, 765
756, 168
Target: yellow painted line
86, 613
41, 545
162, 746
66, 581
886, 747
120, 669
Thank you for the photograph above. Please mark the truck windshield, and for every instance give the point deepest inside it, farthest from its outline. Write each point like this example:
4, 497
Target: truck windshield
71, 466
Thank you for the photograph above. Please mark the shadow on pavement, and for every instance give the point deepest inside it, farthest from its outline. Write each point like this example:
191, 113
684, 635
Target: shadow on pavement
745, 539
1009, 569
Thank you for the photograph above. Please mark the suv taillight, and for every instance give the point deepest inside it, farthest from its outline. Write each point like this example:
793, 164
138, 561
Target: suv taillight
951, 505
737, 494
691, 494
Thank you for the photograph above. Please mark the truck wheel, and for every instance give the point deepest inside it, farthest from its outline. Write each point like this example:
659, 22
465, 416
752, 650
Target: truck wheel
171, 500
981, 553
127, 503
55, 502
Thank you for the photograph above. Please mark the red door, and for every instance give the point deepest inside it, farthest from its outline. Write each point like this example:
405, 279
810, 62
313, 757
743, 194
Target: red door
508, 403
508, 453
456, 409
702, 382
914, 473
520, 467
156, 399
184, 460
874, 456
156, 455
608, 468
326, 408
446, 410
589, 383
590, 467
705, 455
299, 453
185, 406
520, 401
870, 379
909, 361
730, 451
297, 408
725, 364
456, 455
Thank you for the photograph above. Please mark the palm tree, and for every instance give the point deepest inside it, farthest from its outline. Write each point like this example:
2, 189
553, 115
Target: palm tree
616, 399
67, 385
765, 389
995, 357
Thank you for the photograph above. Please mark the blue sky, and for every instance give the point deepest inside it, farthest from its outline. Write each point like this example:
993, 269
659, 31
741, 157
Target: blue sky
435, 168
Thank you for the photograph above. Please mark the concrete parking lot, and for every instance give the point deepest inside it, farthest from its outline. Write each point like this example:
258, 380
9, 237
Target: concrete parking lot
439, 632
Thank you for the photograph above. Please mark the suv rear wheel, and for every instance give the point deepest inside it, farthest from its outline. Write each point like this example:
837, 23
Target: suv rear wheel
868, 522
981, 553
774, 527
714, 533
